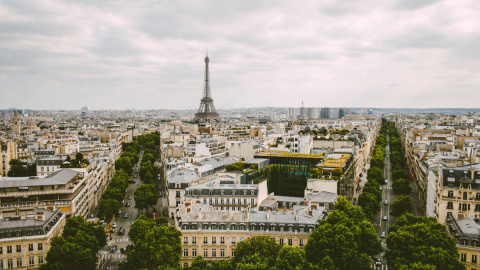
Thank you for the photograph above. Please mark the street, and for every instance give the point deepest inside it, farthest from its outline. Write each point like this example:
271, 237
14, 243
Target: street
107, 258
387, 194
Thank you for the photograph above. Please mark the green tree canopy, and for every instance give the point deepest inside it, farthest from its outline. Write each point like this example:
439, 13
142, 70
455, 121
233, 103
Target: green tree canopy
401, 186
125, 164
258, 246
155, 246
401, 204
423, 241
291, 258
145, 196
345, 238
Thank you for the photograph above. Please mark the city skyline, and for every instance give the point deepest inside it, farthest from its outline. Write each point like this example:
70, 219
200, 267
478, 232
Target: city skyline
400, 54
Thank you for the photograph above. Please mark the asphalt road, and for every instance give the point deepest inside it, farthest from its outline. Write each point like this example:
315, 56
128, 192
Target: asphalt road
379, 223
107, 258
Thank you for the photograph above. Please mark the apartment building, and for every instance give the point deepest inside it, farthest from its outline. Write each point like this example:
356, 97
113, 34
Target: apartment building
458, 192
214, 234
223, 193
466, 232
25, 240
65, 189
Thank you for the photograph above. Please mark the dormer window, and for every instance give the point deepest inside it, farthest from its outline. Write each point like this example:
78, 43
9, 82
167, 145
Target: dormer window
233, 192
245, 192
222, 192
252, 192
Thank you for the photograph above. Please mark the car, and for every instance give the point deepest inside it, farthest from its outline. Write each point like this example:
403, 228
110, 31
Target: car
123, 201
378, 262
386, 181
384, 218
127, 204
121, 231
113, 249
382, 235
159, 193
126, 215
380, 187
119, 212
112, 230
385, 202
108, 268
122, 250
129, 197
114, 225
131, 181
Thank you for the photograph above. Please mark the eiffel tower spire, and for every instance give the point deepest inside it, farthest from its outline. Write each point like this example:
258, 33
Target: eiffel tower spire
206, 112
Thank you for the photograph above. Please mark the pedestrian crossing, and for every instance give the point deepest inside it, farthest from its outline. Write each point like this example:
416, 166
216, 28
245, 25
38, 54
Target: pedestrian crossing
108, 256
119, 240
378, 267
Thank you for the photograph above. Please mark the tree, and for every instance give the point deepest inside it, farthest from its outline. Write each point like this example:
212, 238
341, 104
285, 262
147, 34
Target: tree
376, 174
154, 246
401, 204
401, 186
125, 164
108, 208
261, 246
79, 156
199, 263
369, 204
422, 241
145, 196
17, 169
148, 178
291, 258
345, 238
148, 157
232, 167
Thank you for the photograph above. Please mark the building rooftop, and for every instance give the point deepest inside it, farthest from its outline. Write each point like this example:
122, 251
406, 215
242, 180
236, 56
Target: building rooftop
60, 177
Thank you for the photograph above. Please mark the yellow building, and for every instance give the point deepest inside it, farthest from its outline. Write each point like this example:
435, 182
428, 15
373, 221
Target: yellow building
25, 240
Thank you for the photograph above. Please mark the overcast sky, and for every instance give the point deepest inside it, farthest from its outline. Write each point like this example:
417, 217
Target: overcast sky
150, 54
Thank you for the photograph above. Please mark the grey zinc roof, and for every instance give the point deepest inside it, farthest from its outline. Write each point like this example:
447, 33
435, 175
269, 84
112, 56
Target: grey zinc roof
21, 223
469, 226
182, 176
323, 197
61, 177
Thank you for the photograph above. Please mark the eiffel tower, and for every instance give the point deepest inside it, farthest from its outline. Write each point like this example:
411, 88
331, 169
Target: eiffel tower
206, 112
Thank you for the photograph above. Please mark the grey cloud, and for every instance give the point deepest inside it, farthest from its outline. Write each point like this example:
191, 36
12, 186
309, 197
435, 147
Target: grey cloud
413, 4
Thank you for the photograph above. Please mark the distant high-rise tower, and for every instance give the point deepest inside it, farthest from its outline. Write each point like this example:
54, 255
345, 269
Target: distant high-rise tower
16, 123
206, 112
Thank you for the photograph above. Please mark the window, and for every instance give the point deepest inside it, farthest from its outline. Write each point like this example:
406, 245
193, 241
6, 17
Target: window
30, 247
301, 242
205, 253
449, 205
465, 196
463, 257
464, 207
185, 265
214, 240
31, 260
234, 241
222, 240
1, 265
177, 203
9, 250
177, 194
241, 239
205, 240
281, 241
290, 241
194, 240
19, 262
252, 202
214, 253
233, 252
222, 253
40, 259
477, 196
40, 246
185, 240
474, 258
185, 253
10, 263
1, 252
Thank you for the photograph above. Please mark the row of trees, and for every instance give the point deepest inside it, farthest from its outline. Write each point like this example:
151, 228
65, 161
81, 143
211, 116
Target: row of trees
19, 168
401, 185
146, 195
77, 248
371, 195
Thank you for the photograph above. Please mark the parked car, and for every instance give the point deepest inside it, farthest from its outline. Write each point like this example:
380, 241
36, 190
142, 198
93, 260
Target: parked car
131, 181
382, 235
114, 225
121, 231
129, 197
127, 204
385, 202
126, 215
378, 262
113, 249
112, 230
384, 218
386, 181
